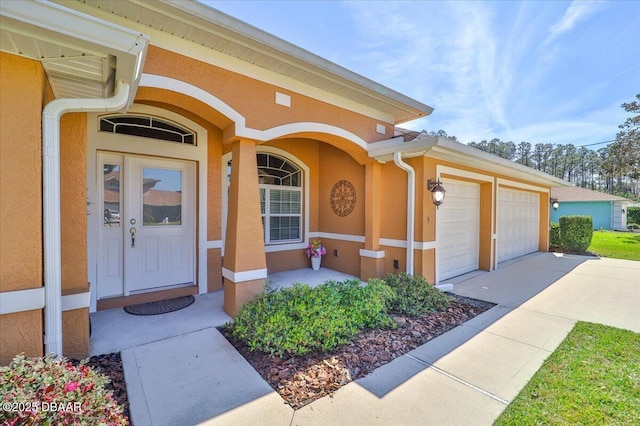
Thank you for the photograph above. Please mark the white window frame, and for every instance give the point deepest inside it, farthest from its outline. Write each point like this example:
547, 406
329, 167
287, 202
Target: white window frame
267, 215
277, 246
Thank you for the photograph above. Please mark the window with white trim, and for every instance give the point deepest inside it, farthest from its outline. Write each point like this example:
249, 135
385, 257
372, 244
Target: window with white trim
280, 183
147, 126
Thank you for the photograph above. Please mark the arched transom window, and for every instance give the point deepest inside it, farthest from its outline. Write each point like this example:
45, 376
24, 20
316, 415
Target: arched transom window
148, 127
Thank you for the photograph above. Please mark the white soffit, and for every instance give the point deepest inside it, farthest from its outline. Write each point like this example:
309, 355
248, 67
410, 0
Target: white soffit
79, 53
204, 26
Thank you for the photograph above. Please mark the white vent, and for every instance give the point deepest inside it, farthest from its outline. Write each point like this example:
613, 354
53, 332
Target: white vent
282, 99
380, 128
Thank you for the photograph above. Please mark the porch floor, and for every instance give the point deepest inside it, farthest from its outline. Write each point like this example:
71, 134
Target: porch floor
115, 330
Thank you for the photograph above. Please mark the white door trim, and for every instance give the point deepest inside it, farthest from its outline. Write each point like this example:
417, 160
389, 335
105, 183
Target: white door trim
144, 146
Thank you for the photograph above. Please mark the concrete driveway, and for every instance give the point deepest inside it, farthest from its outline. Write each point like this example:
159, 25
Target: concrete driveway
466, 376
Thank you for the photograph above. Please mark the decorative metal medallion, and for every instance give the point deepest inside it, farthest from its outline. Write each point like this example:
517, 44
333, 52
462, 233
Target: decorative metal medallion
343, 198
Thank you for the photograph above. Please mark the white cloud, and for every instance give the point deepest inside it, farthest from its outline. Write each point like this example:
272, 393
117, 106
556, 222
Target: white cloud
578, 10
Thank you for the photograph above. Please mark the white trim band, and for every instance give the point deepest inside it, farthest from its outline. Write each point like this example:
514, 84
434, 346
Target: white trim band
341, 237
21, 300
520, 185
33, 299
75, 301
374, 254
242, 276
417, 245
215, 244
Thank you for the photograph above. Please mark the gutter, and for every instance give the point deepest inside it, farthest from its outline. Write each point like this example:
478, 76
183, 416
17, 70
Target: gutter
411, 201
51, 202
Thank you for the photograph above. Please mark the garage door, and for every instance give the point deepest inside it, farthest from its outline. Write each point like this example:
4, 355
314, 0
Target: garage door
458, 229
518, 223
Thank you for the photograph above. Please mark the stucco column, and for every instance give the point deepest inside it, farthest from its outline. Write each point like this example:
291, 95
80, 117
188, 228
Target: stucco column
371, 257
244, 266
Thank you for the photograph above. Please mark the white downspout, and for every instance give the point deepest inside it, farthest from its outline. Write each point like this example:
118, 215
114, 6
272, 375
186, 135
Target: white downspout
411, 201
51, 115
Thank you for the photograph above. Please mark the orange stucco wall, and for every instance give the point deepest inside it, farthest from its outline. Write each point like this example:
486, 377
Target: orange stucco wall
20, 332
24, 91
254, 99
335, 166
394, 201
73, 210
22, 84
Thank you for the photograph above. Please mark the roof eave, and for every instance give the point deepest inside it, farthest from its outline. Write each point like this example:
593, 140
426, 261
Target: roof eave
450, 150
58, 24
406, 108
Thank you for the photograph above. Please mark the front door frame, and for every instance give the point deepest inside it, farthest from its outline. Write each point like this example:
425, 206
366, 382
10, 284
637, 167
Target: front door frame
102, 141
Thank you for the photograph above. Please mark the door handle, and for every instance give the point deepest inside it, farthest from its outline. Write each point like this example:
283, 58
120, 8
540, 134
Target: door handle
132, 231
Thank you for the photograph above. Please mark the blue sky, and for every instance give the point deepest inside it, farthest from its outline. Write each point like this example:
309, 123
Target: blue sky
536, 71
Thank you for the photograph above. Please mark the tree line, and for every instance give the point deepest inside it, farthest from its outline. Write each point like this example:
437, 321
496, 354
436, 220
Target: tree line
614, 169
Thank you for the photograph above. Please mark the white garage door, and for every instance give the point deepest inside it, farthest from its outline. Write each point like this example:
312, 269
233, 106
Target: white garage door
458, 229
518, 223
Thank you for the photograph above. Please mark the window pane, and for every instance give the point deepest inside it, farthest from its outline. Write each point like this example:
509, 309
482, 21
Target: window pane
111, 195
284, 201
284, 228
262, 200
161, 197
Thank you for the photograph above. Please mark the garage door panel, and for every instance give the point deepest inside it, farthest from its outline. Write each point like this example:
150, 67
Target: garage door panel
458, 229
518, 223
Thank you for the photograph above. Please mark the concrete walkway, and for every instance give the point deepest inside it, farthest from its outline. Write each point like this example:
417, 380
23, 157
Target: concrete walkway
466, 376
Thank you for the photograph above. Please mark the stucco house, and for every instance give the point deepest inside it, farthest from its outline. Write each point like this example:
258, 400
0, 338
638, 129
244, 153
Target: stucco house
218, 152
607, 211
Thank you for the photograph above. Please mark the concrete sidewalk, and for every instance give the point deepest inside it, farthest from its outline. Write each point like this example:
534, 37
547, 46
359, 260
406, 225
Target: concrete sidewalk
466, 376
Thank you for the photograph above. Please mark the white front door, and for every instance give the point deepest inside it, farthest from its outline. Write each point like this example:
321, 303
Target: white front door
147, 237
458, 229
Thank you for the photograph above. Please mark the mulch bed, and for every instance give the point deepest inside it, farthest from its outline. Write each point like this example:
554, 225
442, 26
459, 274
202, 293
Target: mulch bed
111, 366
302, 379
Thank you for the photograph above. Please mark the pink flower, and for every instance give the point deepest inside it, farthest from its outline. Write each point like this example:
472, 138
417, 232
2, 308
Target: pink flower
71, 386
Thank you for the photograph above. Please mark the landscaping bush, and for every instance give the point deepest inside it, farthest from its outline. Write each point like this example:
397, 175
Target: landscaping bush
414, 296
576, 232
554, 234
633, 215
633, 226
302, 319
54, 392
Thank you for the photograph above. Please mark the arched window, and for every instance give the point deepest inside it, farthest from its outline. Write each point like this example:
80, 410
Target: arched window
280, 183
147, 127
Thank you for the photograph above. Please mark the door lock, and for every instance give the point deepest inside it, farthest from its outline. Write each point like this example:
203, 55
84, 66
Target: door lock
132, 231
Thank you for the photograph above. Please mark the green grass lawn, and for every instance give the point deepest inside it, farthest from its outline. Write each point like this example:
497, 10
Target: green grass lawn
593, 378
619, 245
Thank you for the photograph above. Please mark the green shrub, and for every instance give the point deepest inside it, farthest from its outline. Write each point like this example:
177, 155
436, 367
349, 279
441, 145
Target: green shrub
414, 296
554, 234
46, 391
633, 226
576, 232
302, 319
633, 215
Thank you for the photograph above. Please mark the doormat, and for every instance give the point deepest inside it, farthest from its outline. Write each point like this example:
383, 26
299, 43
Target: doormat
160, 307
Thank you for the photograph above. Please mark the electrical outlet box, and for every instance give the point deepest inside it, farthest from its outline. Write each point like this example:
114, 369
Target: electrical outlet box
335, 252
396, 264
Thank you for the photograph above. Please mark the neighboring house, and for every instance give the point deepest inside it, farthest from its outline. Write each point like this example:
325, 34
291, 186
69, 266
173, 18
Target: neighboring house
607, 211
159, 149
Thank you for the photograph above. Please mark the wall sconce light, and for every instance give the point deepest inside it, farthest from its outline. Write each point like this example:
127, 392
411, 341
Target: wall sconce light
554, 203
437, 191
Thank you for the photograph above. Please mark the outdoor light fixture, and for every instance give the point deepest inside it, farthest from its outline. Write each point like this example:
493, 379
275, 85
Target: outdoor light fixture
437, 191
555, 203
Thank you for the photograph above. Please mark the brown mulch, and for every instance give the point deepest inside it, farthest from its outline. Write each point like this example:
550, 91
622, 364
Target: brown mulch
111, 366
302, 379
